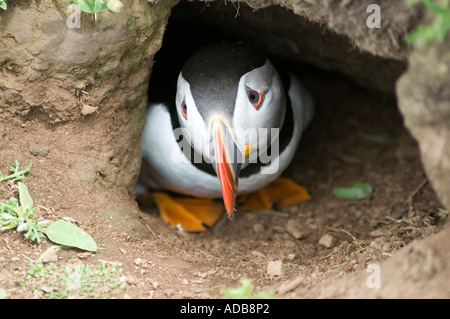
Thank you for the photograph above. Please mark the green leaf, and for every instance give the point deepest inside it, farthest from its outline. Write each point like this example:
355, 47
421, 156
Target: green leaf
92, 6
67, 234
3, 5
25, 199
380, 139
242, 292
357, 191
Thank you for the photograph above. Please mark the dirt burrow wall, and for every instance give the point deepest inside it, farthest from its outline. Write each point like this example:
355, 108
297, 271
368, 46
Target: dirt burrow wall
348, 18
86, 84
424, 100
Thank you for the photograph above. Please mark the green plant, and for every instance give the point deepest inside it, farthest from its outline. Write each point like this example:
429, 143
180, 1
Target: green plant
424, 35
16, 173
3, 4
245, 291
19, 213
74, 280
356, 191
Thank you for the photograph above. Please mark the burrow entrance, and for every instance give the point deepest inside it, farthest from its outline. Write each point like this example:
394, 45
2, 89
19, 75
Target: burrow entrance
357, 135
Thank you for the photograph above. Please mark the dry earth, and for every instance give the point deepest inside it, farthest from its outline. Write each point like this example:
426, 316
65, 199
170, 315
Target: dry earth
317, 249
337, 237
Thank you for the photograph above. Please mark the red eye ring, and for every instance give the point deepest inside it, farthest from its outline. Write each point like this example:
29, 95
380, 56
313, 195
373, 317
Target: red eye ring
255, 98
183, 108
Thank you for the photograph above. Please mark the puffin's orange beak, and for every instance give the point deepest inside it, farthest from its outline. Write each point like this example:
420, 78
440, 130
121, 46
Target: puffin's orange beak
226, 160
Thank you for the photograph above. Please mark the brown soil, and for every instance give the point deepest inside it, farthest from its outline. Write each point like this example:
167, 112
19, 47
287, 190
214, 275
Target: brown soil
162, 262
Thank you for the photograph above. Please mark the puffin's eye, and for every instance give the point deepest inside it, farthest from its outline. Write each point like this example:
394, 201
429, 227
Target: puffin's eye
256, 98
183, 108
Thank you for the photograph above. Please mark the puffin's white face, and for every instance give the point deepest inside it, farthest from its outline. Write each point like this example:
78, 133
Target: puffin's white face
259, 106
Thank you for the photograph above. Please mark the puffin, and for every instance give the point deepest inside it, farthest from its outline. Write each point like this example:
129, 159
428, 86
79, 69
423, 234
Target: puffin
232, 130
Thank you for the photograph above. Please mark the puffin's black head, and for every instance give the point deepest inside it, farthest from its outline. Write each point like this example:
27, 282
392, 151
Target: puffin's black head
227, 93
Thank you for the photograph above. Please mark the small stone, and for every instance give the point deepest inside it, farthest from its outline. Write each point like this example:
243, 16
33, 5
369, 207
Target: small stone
169, 292
37, 150
377, 243
50, 256
291, 285
84, 255
295, 228
258, 254
258, 228
47, 289
155, 284
138, 261
129, 279
275, 268
387, 247
326, 241
123, 279
88, 109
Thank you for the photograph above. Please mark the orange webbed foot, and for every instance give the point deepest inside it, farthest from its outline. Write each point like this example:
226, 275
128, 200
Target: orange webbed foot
186, 213
283, 192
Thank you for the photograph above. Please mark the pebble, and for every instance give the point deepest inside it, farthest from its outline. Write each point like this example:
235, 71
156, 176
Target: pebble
155, 284
88, 109
258, 228
326, 241
258, 254
138, 261
37, 150
291, 285
377, 243
50, 256
129, 279
169, 292
296, 228
275, 268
